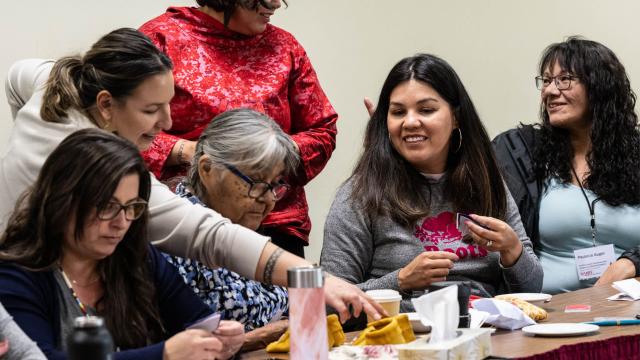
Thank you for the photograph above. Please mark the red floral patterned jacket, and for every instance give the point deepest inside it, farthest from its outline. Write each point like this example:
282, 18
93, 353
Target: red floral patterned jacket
216, 69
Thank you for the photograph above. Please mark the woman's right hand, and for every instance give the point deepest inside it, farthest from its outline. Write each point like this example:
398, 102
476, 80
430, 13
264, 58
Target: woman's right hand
426, 268
370, 106
193, 344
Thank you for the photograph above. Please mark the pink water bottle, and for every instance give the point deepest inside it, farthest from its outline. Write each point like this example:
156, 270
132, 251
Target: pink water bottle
307, 314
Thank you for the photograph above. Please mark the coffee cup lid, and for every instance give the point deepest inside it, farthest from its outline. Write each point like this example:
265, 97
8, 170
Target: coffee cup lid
384, 295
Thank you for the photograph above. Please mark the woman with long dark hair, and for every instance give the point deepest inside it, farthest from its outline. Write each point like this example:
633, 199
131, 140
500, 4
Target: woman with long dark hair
576, 175
76, 245
427, 157
124, 84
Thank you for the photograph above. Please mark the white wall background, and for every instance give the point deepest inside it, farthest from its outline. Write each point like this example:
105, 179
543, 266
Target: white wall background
493, 45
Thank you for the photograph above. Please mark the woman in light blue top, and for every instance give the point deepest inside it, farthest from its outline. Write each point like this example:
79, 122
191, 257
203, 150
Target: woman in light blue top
565, 227
576, 175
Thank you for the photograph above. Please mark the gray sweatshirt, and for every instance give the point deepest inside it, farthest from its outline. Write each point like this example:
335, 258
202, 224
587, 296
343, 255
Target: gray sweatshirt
370, 251
20, 345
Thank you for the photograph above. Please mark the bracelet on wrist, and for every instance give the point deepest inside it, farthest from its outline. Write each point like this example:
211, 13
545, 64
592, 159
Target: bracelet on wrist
179, 156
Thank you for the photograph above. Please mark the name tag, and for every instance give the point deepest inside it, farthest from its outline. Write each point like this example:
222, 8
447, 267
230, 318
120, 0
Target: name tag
593, 261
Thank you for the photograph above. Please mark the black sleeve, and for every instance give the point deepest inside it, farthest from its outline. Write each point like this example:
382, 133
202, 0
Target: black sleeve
513, 150
633, 255
179, 305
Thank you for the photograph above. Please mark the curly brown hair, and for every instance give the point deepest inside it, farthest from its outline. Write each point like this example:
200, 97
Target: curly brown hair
614, 159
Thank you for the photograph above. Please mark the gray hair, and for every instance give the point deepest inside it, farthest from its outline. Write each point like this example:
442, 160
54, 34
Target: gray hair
245, 139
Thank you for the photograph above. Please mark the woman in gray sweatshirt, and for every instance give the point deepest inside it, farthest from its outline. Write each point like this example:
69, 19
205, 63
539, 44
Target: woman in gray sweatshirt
426, 157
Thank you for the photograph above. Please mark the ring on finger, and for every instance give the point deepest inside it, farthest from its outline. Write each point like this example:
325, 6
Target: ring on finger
489, 243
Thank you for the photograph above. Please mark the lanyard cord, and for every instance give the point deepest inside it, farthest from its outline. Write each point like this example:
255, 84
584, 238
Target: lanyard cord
590, 204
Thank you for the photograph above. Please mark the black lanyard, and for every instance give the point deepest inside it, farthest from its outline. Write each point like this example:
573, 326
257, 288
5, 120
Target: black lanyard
591, 205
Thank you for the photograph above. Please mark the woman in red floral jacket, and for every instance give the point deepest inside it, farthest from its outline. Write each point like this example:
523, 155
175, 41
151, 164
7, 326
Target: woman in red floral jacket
226, 55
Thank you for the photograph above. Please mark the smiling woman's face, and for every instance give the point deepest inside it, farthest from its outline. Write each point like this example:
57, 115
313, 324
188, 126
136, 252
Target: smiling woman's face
252, 22
569, 108
420, 123
144, 113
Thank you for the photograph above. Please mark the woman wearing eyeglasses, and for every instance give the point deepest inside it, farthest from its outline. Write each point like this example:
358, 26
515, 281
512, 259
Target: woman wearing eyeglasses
76, 246
242, 180
576, 175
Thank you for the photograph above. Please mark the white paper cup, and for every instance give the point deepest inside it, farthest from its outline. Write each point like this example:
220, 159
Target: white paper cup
388, 299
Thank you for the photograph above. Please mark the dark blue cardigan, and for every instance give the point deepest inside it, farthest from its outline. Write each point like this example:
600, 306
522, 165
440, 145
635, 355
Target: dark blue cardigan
30, 298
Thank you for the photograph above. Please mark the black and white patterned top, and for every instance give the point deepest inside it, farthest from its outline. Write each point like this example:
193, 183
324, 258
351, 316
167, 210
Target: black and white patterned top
237, 298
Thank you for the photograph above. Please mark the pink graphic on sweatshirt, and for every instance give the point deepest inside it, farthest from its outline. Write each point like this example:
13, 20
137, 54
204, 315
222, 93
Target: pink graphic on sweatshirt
439, 233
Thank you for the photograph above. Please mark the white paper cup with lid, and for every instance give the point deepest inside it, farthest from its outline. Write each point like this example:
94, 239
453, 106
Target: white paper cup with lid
387, 298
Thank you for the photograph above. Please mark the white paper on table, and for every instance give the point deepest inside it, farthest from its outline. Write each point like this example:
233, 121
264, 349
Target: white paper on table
629, 288
503, 315
439, 309
620, 297
478, 318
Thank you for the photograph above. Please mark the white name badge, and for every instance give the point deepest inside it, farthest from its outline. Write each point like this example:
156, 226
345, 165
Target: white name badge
593, 261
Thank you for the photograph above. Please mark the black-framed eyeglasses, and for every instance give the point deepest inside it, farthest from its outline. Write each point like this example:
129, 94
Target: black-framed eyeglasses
132, 210
259, 188
563, 82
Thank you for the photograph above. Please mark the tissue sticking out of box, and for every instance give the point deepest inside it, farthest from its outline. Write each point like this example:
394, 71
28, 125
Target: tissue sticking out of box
440, 310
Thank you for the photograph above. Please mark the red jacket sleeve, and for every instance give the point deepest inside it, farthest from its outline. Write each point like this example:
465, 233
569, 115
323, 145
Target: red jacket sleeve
313, 118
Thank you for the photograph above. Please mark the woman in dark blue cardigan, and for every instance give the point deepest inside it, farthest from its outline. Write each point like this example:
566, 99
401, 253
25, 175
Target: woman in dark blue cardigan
76, 246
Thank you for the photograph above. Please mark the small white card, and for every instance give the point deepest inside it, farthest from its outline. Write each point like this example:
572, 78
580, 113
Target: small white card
629, 287
593, 261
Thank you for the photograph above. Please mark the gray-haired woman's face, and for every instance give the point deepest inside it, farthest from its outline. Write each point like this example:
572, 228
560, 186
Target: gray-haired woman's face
228, 194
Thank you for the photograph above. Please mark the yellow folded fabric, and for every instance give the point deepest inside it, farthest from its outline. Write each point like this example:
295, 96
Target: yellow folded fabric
281, 345
335, 336
391, 330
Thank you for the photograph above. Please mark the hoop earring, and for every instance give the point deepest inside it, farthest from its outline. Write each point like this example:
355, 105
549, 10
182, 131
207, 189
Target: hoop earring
459, 142
108, 126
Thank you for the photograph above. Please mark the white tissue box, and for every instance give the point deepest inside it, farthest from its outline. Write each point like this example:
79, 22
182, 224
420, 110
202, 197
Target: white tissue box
470, 344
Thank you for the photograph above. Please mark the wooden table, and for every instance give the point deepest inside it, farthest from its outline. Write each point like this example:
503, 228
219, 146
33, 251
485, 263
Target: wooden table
513, 344
516, 344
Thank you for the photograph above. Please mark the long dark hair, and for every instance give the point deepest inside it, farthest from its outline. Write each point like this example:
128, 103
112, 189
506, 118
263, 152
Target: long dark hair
227, 7
80, 176
614, 158
119, 62
387, 184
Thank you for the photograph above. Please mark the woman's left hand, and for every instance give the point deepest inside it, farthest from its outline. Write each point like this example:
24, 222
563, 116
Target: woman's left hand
619, 270
498, 236
231, 334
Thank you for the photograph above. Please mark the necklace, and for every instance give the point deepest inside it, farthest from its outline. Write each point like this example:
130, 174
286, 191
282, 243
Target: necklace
81, 305
591, 205
74, 282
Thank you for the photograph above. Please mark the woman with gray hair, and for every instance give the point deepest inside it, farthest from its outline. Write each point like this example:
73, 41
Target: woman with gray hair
241, 160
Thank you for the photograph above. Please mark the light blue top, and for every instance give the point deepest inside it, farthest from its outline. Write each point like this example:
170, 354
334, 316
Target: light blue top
565, 226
